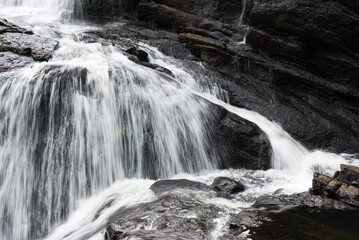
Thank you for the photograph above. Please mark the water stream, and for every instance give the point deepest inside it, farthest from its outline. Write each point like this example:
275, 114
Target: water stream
91, 127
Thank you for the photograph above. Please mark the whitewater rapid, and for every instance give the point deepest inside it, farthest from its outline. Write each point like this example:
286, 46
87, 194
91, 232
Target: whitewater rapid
97, 146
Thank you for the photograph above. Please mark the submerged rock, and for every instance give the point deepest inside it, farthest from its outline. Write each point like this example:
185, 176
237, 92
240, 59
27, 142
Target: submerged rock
170, 217
164, 186
222, 186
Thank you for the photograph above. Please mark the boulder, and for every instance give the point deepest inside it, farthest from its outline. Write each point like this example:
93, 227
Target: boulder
23, 42
227, 186
349, 174
334, 188
240, 143
165, 186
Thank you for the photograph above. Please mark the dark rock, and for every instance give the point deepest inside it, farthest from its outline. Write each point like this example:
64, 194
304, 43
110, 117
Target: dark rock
166, 16
227, 185
241, 143
165, 186
140, 54
333, 188
305, 199
298, 68
100, 10
348, 174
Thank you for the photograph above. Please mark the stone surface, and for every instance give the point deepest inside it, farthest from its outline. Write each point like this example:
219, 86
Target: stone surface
334, 188
165, 186
24, 42
10, 61
306, 199
227, 186
348, 174
240, 143
170, 217
298, 68
140, 54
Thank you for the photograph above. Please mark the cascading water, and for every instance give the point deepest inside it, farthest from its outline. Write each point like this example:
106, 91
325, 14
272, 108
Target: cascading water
47, 4
72, 127
90, 117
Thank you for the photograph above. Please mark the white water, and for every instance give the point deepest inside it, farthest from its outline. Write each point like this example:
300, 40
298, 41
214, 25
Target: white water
65, 137
40, 4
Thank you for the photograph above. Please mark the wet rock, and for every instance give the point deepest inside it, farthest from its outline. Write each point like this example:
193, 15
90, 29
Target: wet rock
170, 217
301, 75
6, 26
23, 42
40, 48
10, 61
241, 143
227, 186
348, 174
164, 186
105, 10
140, 54
299, 199
333, 188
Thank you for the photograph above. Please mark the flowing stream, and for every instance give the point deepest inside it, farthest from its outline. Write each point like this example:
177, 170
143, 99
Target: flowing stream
91, 126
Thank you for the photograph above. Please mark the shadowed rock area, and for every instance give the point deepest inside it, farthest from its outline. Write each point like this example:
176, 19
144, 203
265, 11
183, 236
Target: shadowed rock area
298, 68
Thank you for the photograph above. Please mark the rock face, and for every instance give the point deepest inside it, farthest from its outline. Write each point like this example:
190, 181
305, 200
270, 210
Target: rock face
24, 42
241, 143
105, 9
343, 188
298, 68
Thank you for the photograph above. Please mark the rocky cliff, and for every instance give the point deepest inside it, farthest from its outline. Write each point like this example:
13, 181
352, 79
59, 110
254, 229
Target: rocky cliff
299, 65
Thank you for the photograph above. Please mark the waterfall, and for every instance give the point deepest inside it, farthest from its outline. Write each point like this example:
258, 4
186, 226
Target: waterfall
92, 124
47, 4
90, 117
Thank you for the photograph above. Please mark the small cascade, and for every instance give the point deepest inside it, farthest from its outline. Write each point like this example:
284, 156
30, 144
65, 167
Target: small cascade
240, 22
90, 117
